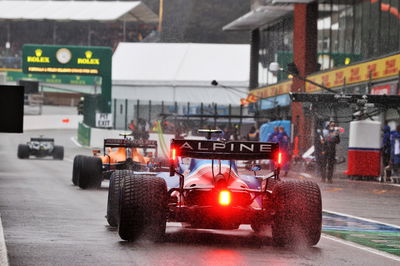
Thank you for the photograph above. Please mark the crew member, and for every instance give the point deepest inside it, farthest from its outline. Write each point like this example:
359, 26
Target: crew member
273, 137
386, 152
284, 148
253, 134
395, 158
330, 140
133, 129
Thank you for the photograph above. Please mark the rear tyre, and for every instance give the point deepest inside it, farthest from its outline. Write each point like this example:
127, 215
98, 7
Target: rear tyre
90, 174
76, 168
114, 189
58, 153
298, 213
23, 151
143, 208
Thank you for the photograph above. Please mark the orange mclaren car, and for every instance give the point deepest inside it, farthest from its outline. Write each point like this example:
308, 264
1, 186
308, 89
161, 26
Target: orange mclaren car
118, 154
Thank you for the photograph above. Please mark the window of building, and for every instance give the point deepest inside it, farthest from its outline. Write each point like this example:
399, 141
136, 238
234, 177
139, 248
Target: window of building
349, 31
275, 45
356, 30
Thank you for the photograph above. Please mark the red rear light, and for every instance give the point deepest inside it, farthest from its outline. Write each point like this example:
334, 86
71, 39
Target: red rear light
279, 158
173, 154
224, 197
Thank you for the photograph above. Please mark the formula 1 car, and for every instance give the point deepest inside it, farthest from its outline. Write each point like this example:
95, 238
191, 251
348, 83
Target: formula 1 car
118, 154
40, 147
213, 194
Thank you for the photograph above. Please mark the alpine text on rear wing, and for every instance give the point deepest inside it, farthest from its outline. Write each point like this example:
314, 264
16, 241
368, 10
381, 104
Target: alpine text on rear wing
230, 150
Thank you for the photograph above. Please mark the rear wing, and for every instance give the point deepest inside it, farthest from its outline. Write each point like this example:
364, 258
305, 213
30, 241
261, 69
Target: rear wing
42, 139
230, 150
129, 143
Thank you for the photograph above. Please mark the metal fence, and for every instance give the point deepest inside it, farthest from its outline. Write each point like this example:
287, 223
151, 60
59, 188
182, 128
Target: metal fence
173, 114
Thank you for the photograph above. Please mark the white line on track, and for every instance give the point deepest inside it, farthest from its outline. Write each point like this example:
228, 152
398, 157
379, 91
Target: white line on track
3, 248
360, 218
76, 142
371, 250
306, 175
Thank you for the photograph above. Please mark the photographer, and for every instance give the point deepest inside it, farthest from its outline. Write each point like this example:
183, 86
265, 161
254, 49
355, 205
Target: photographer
329, 141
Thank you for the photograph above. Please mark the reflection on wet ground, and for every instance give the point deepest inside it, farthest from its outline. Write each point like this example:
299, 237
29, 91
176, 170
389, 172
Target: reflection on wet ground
375, 235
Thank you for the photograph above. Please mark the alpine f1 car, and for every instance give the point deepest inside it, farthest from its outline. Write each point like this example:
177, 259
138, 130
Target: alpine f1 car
212, 193
118, 154
40, 147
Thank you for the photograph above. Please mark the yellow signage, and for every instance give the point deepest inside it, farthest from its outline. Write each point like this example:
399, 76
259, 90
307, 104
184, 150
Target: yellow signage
375, 69
88, 60
273, 90
38, 58
63, 70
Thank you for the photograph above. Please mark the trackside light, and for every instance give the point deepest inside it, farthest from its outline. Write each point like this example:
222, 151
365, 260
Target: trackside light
224, 197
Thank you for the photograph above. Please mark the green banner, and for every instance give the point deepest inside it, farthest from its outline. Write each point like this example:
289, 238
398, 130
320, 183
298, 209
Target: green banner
55, 79
72, 60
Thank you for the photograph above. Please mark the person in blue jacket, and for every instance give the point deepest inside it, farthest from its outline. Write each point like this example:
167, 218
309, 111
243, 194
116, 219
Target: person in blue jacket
273, 137
395, 150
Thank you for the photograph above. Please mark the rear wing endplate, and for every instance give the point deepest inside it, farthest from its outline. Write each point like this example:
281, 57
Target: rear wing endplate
129, 143
230, 150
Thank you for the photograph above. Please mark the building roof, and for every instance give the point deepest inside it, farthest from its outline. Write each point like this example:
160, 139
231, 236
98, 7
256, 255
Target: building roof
181, 63
259, 17
77, 11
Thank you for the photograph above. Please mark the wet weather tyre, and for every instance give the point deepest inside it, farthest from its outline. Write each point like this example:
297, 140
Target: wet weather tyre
76, 168
114, 189
58, 153
23, 151
90, 174
143, 208
298, 213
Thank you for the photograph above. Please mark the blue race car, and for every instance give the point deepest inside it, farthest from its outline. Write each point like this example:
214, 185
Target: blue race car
212, 193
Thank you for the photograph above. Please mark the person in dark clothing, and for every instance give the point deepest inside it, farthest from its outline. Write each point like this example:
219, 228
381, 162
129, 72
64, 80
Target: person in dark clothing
236, 132
329, 141
142, 130
386, 151
284, 147
133, 129
318, 150
253, 134
227, 133
395, 151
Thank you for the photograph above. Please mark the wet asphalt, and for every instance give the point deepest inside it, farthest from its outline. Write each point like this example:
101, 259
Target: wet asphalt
48, 221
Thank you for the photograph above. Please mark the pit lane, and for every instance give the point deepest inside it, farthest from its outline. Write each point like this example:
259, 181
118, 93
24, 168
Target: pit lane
47, 221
